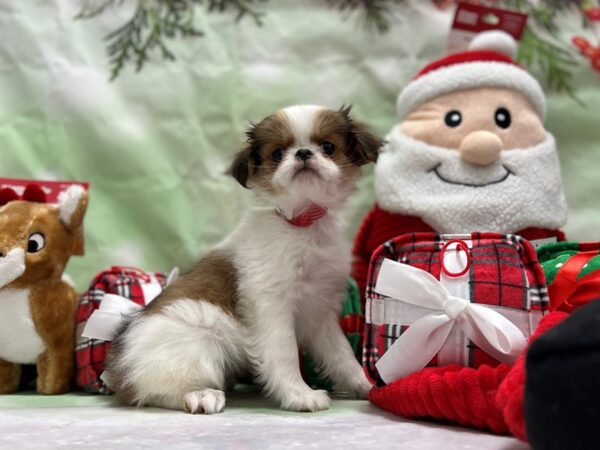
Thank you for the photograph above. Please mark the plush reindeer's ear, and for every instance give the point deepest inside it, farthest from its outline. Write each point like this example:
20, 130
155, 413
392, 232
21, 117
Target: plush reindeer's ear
7, 195
72, 205
363, 145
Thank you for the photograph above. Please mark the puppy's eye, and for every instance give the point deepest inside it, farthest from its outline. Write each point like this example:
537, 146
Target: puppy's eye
328, 148
277, 155
502, 118
453, 118
36, 243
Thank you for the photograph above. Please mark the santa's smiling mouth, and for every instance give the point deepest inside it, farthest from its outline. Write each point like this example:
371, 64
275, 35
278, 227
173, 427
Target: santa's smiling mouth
475, 185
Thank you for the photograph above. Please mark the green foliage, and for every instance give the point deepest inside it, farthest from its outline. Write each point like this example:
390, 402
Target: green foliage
154, 22
542, 47
551, 58
376, 12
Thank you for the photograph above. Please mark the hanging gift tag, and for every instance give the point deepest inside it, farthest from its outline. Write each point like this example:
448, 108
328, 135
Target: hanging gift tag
471, 19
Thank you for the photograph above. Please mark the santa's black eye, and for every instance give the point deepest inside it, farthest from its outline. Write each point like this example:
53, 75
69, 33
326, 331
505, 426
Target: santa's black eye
328, 148
36, 243
502, 118
277, 155
453, 118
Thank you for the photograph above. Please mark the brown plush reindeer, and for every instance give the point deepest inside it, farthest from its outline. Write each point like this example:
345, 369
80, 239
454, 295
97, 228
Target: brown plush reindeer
37, 308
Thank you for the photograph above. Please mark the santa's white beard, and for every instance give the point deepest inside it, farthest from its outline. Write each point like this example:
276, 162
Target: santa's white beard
523, 189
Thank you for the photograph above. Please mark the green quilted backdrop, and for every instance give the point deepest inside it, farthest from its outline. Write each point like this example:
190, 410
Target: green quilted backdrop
154, 145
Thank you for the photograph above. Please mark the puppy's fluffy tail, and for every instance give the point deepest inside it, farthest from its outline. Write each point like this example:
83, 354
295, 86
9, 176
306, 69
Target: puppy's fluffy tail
188, 345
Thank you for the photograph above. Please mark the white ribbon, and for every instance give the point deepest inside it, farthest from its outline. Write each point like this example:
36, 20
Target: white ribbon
104, 322
424, 338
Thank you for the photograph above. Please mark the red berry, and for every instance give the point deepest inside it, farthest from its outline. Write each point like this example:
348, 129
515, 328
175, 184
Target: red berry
592, 52
596, 64
593, 14
580, 42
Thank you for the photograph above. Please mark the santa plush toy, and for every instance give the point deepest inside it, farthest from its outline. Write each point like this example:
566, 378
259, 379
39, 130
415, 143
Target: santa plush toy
470, 153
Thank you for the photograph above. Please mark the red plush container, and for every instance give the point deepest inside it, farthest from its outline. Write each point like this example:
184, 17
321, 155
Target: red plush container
461, 382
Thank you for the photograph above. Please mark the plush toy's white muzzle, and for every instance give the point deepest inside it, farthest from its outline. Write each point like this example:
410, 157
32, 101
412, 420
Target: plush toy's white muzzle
12, 266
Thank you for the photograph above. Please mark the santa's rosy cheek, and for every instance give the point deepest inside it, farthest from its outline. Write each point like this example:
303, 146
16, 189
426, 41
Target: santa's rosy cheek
434, 132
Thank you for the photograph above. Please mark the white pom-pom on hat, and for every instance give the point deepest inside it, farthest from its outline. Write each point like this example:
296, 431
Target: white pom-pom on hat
495, 40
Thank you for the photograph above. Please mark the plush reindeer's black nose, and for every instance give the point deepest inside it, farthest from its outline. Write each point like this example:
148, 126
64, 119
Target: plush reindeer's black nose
303, 154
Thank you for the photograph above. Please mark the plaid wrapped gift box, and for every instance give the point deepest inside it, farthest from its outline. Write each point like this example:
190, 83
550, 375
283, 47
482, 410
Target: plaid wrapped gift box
573, 273
134, 284
499, 271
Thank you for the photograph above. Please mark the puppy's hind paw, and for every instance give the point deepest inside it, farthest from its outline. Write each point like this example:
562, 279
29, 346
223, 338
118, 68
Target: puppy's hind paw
306, 401
206, 401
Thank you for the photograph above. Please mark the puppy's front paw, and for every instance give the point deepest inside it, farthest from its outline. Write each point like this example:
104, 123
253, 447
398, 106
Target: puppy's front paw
306, 400
207, 401
358, 387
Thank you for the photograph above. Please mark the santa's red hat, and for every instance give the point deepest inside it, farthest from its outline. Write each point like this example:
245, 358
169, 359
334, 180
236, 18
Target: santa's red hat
489, 62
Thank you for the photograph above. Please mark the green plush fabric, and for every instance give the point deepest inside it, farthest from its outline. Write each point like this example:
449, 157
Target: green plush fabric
155, 144
553, 256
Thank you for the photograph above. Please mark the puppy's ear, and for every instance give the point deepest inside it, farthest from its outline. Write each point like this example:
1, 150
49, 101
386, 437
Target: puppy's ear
363, 145
241, 167
246, 162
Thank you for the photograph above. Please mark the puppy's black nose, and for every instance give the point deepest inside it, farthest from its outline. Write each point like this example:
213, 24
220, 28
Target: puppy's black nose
303, 154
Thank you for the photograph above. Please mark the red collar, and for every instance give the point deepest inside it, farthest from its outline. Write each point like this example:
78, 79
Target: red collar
305, 217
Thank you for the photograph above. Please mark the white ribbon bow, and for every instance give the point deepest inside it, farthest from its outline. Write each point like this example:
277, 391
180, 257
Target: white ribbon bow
104, 322
424, 338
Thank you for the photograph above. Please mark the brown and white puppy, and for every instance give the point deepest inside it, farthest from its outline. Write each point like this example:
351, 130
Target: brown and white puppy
276, 283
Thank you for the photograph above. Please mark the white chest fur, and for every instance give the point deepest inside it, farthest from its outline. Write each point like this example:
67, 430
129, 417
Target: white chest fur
305, 268
19, 341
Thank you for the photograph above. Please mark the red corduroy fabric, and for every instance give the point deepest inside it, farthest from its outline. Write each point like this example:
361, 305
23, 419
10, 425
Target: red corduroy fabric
510, 397
455, 393
488, 398
380, 226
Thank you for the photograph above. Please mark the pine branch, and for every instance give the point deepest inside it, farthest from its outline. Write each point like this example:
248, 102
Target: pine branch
542, 45
92, 9
551, 59
375, 12
155, 21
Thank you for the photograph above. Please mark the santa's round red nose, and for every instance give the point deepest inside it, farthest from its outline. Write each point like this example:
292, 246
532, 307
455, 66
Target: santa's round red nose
480, 148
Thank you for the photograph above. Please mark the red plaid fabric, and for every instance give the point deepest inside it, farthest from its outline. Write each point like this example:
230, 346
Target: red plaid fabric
504, 272
90, 353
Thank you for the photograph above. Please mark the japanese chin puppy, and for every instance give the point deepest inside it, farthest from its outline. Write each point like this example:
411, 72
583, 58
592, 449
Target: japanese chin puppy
275, 284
